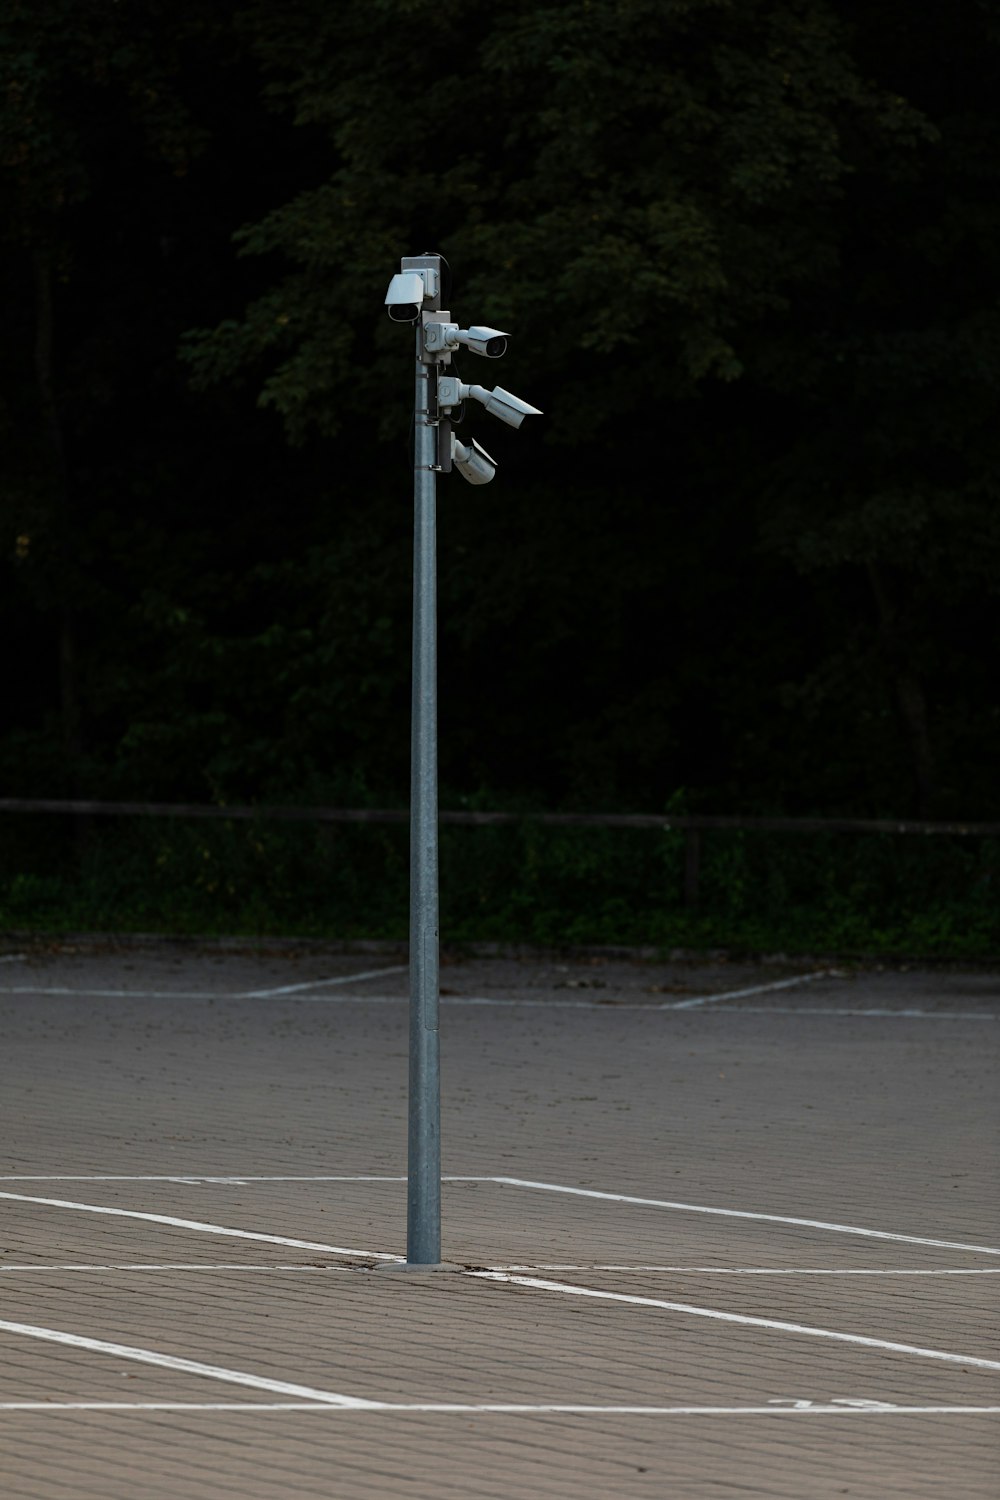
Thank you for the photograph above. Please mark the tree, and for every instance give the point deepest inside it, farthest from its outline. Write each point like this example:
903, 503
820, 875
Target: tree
73, 79
658, 198
623, 180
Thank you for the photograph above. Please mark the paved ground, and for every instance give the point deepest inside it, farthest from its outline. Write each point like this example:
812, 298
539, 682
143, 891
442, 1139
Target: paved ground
725, 1230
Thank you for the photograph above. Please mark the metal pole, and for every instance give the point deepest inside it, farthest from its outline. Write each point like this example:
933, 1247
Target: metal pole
423, 1206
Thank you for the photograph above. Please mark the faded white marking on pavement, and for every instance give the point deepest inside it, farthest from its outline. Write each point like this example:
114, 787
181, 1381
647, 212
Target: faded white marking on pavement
566, 1288
753, 989
759, 1270
275, 993
518, 1182
865, 1012
606, 1005
610, 1005
737, 1213
184, 1366
196, 1179
203, 1228
46, 1267
38, 989
178, 1265
315, 984
797, 1409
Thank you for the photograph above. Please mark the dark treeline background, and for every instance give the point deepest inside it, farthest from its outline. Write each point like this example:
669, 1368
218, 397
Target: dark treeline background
749, 253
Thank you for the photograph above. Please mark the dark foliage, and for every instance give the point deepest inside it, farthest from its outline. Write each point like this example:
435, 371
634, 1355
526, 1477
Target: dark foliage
749, 253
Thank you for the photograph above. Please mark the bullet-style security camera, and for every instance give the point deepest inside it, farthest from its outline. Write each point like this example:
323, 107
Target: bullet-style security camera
472, 461
489, 341
503, 404
442, 338
509, 408
405, 296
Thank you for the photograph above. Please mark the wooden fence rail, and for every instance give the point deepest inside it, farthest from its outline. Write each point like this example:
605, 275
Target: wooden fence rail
693, 825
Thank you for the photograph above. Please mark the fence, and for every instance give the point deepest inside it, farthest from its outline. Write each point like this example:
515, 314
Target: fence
692, 825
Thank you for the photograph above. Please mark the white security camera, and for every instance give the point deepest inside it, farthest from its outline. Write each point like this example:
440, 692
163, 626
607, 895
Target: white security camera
472, 461
509, 408
404, 297
444, 337
489, 341
503, 404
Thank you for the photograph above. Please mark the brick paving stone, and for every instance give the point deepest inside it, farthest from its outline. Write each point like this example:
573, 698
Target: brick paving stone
196, 1456
761, 1104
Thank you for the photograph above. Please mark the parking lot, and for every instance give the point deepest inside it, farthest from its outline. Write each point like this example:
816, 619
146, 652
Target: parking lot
717, 1228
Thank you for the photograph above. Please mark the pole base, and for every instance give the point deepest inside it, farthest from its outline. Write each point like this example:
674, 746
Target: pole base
413, 1265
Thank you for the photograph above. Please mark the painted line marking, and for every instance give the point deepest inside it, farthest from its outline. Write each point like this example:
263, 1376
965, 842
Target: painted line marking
754, 989
35, 989
12, 958
45, 1267
520, 1182
315, 984
735, 1213
871, 1011
607, 1006
751, 1270
286, 989
797, 1409
174, 1223
290, 993
593, 1193
195, 1179
184, 1366
566, 1288
180, 1265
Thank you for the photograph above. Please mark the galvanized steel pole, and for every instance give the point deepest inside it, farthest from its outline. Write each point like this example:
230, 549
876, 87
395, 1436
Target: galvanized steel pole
423, 1207
415, 295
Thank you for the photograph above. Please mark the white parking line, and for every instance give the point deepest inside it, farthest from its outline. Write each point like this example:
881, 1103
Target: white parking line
737, 1213
194, 1179
184, 1366
754, 989
518, 1182
315, 984
532, 1282
566, 1288
611, 1006
84, 994
45, 1267
276, 993
749, 1270
873, 1012
179, 1265
174, 1223
797, 1409
607, 1005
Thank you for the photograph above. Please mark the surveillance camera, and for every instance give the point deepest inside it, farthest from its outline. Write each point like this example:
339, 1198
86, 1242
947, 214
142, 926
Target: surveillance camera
473, 462
442, 337
509, 408
491, 342
405, 296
